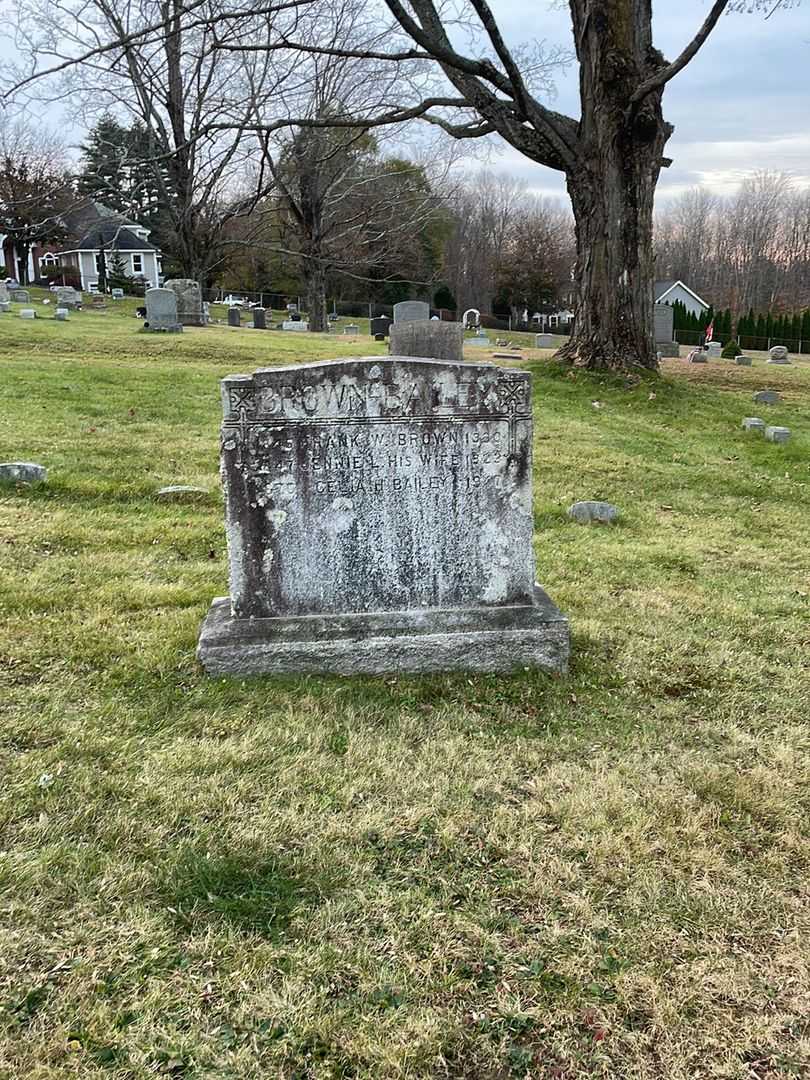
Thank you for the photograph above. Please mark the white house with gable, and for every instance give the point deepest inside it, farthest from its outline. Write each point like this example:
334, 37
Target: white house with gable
667, 292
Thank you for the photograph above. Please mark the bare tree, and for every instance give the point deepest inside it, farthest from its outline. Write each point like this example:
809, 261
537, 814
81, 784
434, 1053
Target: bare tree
153, 63
35, 188
611, 155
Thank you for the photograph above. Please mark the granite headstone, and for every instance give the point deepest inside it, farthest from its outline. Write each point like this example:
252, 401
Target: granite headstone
411, 311
432, 339
259, 318
189, 301
379, 519
234, 316
161, 311
68, 297
380, 325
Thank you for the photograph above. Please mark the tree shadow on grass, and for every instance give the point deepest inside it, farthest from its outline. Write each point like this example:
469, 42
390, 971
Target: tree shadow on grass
253, 891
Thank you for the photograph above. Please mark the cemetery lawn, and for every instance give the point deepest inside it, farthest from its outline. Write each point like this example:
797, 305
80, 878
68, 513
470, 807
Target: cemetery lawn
465, 876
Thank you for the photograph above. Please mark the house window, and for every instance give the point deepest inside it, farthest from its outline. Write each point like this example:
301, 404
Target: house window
137, 264
48, 260
97, 257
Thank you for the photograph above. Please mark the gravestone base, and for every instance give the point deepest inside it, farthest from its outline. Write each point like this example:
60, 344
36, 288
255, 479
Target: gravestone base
668, 349
485, 639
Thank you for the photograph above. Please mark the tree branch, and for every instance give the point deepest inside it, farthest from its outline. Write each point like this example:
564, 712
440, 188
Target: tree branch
664, 74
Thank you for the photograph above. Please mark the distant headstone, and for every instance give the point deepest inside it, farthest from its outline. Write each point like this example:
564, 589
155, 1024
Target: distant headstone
61, 314
593, 512
778, 355
471, 318
411, 311
181, 493
714, 350
22, 472
767, 397
379, 519
743, 361
4, 297
351, 328
698, 356
543, 341
753, 423
259, 318
777, 434
379, 337
664, 321
5, 305
380, 325
669, 349
295, 324
19, 296
118, 294
234, 316
68, 297
28, 313
431, 339
189, 301
161, 311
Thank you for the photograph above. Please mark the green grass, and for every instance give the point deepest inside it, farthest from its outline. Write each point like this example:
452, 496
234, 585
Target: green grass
470, 877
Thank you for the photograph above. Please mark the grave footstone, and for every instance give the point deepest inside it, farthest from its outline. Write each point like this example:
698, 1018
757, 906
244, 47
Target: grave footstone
23, 472
379, 519
61, 314
380, 325
28, 313
411, 311
5, 306
234, 316
593, 512
295, 324
767, 397
543, 341
778, 355
161, 311
351, 328
117, 294
777, 434
753, 423
189, 301
431, 339
181, 493
743, 361
259, 318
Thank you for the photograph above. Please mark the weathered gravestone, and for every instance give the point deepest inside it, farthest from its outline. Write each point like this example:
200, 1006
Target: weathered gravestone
189, 301
22, 472
19, 296
234, 316
743, 361
471, 318
714, 350
767, 397
351, 328
161, 311
4, 297
411, 311
117, 294
753, 423
432, 339
259, 318
543, 341
295, 324
777, 434
480, 340
61, 314
778, 355
5, 306
664, 323
28, 313
380, 325
379, 519
68, 297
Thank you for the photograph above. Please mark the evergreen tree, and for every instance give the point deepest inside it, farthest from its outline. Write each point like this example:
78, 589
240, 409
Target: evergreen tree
114, 171
805, 331
761, 332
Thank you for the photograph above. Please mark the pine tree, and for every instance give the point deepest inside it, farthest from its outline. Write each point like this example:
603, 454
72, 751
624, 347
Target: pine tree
805, 331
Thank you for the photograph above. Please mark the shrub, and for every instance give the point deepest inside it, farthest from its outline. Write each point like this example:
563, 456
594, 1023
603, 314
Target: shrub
730, 350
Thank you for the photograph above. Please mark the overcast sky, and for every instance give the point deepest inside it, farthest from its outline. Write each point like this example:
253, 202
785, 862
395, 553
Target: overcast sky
742, 104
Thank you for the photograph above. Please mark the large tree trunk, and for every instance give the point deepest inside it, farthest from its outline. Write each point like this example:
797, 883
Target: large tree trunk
315, 280
612, 187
